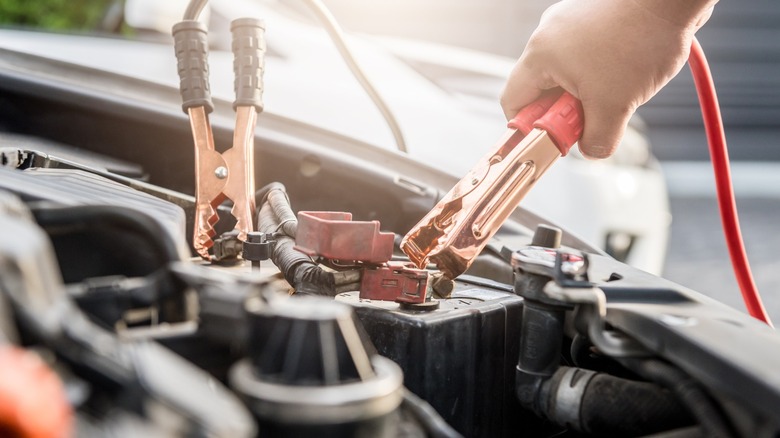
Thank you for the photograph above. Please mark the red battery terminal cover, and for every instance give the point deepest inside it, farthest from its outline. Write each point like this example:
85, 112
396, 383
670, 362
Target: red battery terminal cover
334, 235
394, 281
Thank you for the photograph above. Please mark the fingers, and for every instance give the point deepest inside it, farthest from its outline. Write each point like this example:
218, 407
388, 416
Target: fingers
522, 88
604, 129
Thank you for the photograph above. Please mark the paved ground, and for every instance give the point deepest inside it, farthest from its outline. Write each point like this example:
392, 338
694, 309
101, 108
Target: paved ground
697, 256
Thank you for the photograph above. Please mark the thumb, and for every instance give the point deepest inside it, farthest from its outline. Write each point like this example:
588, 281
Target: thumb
604, 128
522, 88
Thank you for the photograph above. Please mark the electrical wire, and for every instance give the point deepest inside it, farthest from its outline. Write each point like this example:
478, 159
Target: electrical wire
716, 138
337, 36
194, 9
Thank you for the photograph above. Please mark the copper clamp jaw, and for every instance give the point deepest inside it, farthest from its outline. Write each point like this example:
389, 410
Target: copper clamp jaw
456, 230
223, 175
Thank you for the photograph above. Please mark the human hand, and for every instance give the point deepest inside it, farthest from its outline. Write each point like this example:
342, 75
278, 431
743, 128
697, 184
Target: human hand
613, 55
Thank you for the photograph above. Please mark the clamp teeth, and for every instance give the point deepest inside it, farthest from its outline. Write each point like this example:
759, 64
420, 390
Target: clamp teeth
205, 218
243, 220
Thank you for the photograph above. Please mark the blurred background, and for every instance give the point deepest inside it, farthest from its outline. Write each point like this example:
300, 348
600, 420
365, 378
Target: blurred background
741, 42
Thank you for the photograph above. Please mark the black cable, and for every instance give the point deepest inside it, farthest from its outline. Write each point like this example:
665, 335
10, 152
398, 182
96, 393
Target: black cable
194, 9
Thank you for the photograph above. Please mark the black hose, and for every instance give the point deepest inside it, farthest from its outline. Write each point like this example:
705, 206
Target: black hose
429, 419
615, 406
194, 9
690, 392
283, 212
600, 404
261, 195
305, 276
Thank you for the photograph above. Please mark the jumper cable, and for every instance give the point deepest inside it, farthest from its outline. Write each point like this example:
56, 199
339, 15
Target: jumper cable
460, 225
716, 139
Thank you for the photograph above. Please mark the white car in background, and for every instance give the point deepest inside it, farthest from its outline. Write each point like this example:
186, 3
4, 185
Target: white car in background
445, 100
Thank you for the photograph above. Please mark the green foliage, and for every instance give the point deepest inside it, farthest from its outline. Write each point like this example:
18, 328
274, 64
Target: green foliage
53, 14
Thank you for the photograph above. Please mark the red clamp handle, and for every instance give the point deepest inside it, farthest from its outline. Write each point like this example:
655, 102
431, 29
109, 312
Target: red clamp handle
525, 119
563, 122
558, 113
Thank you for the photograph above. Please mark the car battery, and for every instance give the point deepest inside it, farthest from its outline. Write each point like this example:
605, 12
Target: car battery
460, 356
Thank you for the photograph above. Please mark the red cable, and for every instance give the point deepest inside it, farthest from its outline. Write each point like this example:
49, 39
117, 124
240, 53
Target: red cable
713, 126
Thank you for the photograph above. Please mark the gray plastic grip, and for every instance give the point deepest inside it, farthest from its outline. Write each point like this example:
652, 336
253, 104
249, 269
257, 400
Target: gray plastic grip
190, 40
248, 61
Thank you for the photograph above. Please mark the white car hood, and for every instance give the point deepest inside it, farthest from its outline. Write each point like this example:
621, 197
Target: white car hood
308, 82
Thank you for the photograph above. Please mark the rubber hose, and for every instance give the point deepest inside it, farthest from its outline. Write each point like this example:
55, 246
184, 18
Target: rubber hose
695, 399
261, 195
429, 419
305, 276
283, 212
616, 406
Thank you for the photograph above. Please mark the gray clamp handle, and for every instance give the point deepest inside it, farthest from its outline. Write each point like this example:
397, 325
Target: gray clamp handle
190, 40
248, 61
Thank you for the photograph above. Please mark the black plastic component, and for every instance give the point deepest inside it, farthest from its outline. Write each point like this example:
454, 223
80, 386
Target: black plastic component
227, 248
190, 40
248, 61
304, 342
99, 241
257, 247
540, 338
65, 187
108, 299
309, 375
123, 376
460, 358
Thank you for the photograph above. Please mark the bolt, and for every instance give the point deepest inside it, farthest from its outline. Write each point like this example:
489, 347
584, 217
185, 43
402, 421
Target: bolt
474, 181
221, 172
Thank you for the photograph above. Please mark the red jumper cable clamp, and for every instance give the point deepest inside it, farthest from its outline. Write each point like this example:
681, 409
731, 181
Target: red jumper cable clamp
229, 174
460, 225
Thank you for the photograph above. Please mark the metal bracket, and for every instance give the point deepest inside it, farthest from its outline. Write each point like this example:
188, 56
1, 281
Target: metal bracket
592, 310
568, 272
